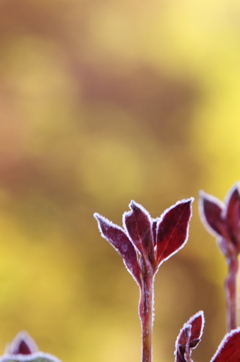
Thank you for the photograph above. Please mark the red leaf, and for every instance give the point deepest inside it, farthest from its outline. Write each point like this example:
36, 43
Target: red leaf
22, 344
172, 229
197, 324
138, 224
210, 209
119, 240
189, 337
229, 349
233, 215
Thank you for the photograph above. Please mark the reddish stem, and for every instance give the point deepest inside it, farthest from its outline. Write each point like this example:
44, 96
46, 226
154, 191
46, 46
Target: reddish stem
146, 315
231, 293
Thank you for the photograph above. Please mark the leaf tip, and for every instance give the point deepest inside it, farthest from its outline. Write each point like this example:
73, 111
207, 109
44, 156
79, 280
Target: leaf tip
132, 204
135, 206
22, 344
96, 215
100, 220
191, 199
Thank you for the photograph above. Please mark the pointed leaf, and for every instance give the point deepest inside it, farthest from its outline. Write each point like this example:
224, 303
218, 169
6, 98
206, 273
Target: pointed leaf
210, 210
22, 344
172, 229
35, 357
229, 349
183, 352
189, 337
197, 324
138, 224
233, 214
119, 240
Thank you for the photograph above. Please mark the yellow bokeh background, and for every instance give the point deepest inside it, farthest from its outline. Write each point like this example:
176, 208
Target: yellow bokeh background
102, 102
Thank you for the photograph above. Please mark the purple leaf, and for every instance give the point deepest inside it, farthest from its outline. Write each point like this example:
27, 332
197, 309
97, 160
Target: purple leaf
138, 224
24, 349
120, 241
189, 337
233, 215
229, 349
210, 209
22, 344
35, 357
172, 229
223, 220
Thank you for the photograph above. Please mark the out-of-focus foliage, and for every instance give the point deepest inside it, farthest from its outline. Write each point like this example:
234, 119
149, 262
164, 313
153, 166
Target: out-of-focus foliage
102, 102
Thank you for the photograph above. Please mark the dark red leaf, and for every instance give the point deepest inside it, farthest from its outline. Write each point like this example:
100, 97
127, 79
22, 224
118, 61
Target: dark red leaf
210, 209
35, 357
138, 224
233, 215
197, 324
183, 352
22, 344
120, 241
172, 229
229, 349
23, 348
189, 337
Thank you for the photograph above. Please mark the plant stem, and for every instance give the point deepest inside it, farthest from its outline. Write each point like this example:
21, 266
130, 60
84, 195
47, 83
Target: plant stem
146, 316
231, 293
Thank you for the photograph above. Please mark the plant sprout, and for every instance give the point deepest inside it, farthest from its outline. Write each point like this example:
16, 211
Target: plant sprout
223, 221
144, 244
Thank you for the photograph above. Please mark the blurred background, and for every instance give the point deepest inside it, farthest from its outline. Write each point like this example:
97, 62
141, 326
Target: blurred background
101, 102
